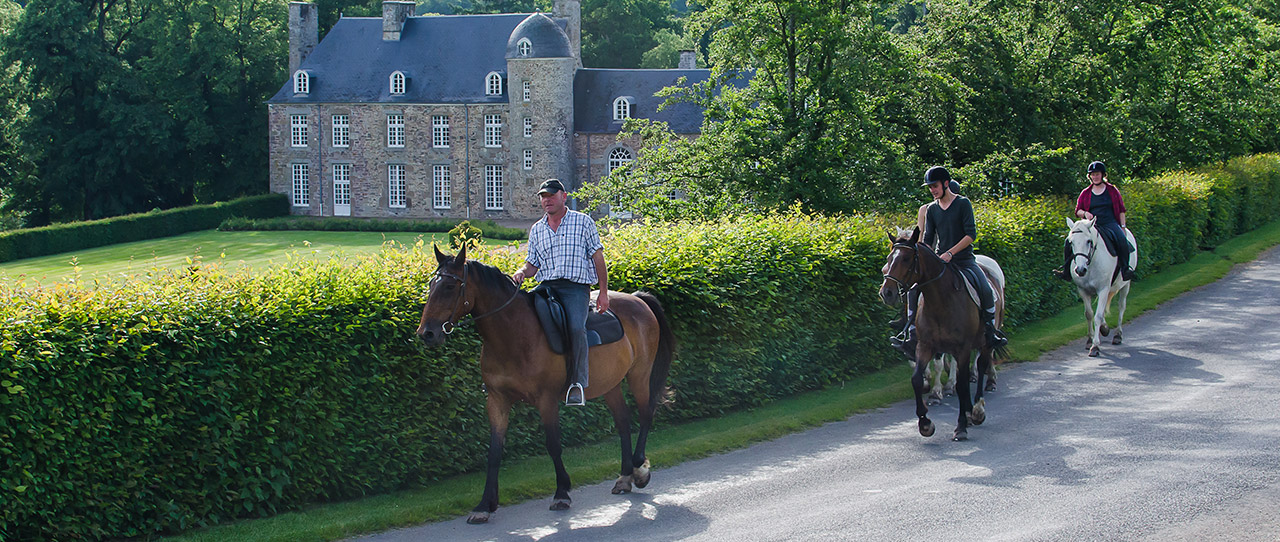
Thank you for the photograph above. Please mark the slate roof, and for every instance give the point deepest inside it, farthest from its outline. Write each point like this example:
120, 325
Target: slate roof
445, 59
595, 89
546, 37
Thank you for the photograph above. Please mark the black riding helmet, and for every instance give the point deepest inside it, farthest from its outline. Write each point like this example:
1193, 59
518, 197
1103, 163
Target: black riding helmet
936, 174
1097, 166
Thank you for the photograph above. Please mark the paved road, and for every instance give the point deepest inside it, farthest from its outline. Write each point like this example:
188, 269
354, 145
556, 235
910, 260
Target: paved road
1174, 435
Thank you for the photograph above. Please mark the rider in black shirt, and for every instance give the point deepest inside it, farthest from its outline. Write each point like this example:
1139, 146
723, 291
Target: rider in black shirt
950, 230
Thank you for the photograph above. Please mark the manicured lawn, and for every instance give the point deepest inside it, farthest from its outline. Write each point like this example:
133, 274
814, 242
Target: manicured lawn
231, 249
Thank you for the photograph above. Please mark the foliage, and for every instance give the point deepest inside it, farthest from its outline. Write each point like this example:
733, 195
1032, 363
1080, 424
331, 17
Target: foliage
464, 235
666, 52
155, 406
487, 228
849, 102
27, 243
617, 33
130, 106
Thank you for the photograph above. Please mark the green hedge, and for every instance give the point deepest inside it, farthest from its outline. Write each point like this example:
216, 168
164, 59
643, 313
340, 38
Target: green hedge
158, 406
488, 228
43, 241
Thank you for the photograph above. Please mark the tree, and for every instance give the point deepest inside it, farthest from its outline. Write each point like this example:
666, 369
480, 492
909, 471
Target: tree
617, 33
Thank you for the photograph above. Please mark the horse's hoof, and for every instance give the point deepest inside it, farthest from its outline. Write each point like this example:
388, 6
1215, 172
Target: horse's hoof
960, 435
561, 504
926, 427
477, 518
1104, 330
623, 485
979, 412
640, 476
948, 392
1094, 352
933, 400
1116, 340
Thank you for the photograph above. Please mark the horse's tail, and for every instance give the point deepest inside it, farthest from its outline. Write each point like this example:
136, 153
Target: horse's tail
666, 352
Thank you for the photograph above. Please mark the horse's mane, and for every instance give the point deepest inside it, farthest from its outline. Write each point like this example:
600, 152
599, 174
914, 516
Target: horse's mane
490, 276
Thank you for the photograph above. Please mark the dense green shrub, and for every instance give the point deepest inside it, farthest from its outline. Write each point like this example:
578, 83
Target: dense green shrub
32, 242
488, 228
164, 404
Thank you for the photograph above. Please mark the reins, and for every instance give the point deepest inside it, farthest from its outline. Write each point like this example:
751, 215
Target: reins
915, 265
448, 326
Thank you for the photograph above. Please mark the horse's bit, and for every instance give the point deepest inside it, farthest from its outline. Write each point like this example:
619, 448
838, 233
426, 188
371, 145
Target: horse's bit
448, 326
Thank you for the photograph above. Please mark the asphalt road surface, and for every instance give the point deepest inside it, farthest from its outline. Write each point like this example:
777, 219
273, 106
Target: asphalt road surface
1174, 435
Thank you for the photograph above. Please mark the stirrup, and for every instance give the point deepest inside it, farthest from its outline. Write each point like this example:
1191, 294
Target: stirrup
996, 339
571, 399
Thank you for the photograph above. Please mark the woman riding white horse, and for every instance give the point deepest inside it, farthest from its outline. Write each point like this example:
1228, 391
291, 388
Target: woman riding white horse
1093, 270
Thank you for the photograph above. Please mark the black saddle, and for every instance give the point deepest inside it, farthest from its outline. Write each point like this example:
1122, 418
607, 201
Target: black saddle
601, 328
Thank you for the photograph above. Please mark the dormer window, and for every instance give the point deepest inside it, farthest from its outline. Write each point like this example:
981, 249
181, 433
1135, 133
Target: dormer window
622, 108
397, 83
524, 47
493, 84
301, 82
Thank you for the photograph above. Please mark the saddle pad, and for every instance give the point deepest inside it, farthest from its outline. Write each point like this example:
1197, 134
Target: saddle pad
973, 290
601, 328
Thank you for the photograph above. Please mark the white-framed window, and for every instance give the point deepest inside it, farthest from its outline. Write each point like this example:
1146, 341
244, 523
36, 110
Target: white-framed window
442, 187
528, 158
298, 130
493, 84
395, 185
395, 130
301, 82
527, 93
524, 46
528, 126
341, 130
397, 82
621, 108
440, 131
342, 184
493, 188
301, 184
493, 130
618, 157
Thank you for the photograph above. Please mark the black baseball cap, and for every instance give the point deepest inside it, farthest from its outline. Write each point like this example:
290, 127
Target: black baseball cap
550, 186
936, 174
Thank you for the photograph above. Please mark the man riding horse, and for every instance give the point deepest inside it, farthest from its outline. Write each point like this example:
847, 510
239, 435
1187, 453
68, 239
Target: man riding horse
950, 230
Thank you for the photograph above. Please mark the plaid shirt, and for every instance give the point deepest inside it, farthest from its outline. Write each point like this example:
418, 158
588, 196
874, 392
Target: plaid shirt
565, 253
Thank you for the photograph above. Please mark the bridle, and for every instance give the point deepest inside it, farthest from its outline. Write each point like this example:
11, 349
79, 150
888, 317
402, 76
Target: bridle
448, 326
914, 270
1093, 248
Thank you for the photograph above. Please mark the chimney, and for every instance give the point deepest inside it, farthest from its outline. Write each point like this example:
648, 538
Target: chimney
394, 14
571, 10
304, 33
688, 59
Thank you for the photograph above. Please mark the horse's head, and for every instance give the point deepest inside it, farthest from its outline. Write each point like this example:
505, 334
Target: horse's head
902, 266
447, 298
1082, 236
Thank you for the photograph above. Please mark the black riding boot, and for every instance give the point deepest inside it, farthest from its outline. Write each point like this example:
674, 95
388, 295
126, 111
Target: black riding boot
1064, 272
995, 337
905, 342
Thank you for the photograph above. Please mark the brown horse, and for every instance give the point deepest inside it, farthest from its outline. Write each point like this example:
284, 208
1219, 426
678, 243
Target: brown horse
517, 364
947, 321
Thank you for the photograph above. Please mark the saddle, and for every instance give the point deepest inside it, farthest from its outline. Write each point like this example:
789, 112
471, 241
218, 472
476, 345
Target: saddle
973, 288
601, 328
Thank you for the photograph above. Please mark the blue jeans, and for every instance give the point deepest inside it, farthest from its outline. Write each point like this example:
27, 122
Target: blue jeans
576, 298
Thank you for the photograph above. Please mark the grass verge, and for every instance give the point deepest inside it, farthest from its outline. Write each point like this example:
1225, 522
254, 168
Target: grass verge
669, 445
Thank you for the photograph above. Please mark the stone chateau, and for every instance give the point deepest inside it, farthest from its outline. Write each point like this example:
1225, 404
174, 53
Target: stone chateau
457, 116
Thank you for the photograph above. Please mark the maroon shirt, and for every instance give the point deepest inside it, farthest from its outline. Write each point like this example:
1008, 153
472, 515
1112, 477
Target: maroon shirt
1086, 196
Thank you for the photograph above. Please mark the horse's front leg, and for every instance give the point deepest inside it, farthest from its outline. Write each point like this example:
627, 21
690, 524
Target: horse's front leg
549, 410
1123, 294
918, 386
1098, 322
622, 421
1088, 318
499, 411
962, 391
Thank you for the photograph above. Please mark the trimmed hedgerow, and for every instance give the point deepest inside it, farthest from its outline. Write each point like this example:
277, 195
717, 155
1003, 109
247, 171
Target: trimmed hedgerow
488, 228
32, 242
160, 405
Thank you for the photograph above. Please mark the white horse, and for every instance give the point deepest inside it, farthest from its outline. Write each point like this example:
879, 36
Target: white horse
1094, 274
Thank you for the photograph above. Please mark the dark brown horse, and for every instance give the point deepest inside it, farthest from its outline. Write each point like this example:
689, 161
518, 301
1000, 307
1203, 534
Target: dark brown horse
517, 364
947, 322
